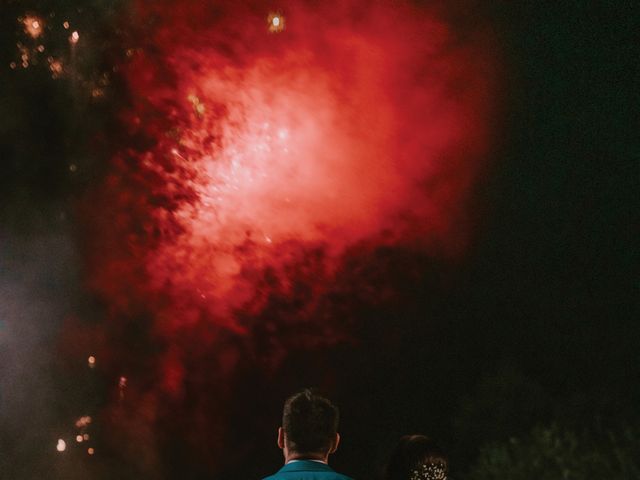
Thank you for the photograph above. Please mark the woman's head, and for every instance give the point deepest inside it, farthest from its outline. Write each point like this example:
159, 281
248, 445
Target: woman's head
416, 457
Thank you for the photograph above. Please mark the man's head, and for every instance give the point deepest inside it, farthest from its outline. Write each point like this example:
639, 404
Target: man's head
309, 427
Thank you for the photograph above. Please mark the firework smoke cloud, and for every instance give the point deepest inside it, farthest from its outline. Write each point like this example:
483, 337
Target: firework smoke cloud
262, 147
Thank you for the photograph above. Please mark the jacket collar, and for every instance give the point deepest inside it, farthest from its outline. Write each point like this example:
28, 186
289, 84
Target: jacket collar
306, 466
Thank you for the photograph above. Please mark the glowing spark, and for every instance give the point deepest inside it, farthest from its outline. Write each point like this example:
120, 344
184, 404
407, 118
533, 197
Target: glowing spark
198, 107
91, 360
79, 438
55, 66
85, 436
75, 36
104, 80
24, 54
40, 48
122, 384
276, 22
61, 446
13, 65
32, 26
82, 422
66, 25
90, 451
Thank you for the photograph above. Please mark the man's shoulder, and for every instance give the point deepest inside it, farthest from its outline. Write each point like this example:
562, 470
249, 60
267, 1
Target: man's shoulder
302, 476
339, 476
333, 475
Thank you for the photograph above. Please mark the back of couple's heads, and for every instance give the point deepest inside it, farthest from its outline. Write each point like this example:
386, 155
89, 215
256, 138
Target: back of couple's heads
310, 423
417, 457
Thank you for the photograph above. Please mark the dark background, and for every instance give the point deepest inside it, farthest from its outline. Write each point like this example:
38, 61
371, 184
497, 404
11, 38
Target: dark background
537, 324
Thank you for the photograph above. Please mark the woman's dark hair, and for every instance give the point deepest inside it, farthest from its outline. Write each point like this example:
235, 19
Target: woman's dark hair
417, 457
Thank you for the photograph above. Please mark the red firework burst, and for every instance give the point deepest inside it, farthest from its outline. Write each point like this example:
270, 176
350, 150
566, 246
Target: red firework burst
249, 150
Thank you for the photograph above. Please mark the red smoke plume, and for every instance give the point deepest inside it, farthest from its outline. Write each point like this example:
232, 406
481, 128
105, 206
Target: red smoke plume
257, 156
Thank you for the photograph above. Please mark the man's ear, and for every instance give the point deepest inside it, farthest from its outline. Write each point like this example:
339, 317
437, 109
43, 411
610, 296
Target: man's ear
280, 437
334, 444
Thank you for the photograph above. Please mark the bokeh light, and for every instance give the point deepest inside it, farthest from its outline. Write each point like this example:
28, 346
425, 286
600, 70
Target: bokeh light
276, 22
33, 25
61, 446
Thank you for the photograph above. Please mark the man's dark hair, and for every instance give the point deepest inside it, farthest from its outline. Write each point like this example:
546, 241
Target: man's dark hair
310, 422
419, 457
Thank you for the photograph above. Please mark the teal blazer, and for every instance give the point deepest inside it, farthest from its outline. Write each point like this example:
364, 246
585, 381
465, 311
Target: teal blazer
307, 470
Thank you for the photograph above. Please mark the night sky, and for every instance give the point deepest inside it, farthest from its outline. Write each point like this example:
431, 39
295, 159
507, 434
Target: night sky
533, 321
